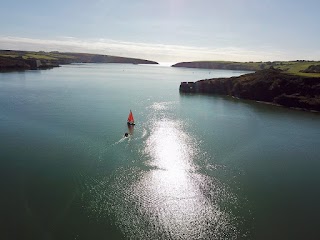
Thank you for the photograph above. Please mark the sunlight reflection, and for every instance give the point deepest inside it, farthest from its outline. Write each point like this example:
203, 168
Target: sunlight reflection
166, 195
173, 191
169, 148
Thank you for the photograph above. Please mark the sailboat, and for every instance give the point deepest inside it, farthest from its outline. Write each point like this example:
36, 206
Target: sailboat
130, 119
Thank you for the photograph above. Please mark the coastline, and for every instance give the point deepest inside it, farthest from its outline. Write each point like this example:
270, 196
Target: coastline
270, 86
297, 67
11, 60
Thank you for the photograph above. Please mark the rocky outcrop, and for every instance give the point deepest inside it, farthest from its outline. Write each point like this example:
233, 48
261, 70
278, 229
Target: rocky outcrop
16, 64
269, 85
13, 64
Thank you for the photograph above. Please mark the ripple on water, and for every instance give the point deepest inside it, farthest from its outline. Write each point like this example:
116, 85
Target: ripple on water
170, 198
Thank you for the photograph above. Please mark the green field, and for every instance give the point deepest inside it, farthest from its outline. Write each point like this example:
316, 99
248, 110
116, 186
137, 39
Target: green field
290, 67
297, 67
27, 55
35, 55
13, 60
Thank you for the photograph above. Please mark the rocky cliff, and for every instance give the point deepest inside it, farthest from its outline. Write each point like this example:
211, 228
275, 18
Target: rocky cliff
271, 85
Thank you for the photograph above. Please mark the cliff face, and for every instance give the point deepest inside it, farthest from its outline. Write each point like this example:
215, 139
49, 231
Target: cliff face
12, 64
270, 85
18, 64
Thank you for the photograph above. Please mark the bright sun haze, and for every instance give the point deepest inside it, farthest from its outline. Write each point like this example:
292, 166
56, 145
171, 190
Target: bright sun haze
166, 31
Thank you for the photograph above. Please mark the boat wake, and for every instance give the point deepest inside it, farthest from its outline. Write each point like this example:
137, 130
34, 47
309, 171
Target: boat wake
120, 141
144, 133
108, 148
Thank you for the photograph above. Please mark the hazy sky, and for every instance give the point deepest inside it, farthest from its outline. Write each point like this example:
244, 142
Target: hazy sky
166, 30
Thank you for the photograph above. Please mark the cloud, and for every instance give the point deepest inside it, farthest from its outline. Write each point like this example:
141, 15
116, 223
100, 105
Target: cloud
157, 52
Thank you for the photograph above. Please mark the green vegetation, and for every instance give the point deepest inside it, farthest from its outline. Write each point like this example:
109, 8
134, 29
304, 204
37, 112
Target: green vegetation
38, 56
12, 55
11, 60
35, 55
298, 67
269, 85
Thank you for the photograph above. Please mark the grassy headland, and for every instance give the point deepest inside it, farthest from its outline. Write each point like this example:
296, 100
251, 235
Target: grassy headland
298, 67
24, 60
270, 85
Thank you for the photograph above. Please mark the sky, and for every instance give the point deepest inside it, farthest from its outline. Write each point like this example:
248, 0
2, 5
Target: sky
166, 30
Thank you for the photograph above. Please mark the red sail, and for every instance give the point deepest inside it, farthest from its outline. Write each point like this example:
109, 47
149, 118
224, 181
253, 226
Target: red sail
130, 118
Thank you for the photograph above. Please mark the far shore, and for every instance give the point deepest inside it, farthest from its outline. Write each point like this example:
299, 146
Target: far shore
12, 60
298, 67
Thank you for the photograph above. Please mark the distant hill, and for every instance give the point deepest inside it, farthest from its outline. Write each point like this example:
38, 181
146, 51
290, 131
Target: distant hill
270, 85
219, 65
24, 60
298, 67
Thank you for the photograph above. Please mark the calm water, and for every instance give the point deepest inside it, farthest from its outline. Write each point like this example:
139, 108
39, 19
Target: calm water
193, 167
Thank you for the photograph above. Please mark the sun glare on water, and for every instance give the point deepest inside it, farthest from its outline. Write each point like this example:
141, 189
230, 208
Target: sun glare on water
169, 198
174, 192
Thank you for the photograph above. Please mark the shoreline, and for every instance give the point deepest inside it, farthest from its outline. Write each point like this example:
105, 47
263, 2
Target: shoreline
11, 60
303, 68
270, 86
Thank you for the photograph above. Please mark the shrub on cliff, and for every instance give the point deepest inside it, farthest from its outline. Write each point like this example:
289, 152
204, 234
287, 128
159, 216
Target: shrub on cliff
312, 69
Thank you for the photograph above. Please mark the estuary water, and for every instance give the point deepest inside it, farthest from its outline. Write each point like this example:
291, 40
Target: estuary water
193, 166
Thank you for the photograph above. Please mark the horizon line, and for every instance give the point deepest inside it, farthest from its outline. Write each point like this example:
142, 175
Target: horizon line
148, 51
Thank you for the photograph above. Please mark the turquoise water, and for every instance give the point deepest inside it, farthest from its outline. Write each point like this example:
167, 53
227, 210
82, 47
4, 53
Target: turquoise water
193, 166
